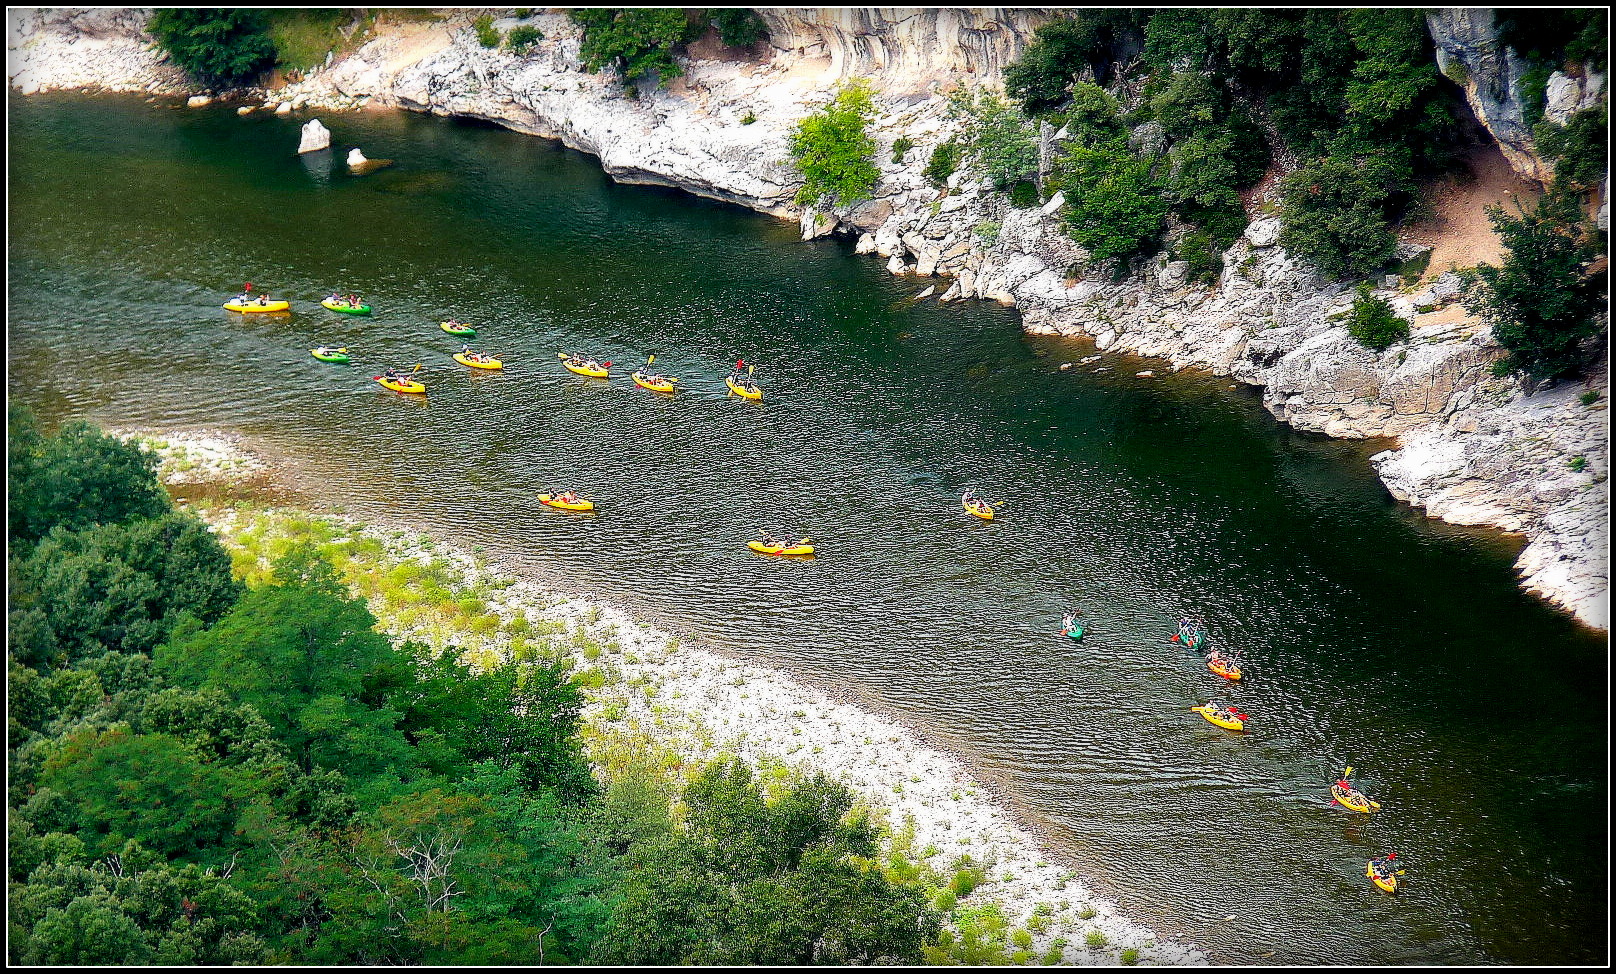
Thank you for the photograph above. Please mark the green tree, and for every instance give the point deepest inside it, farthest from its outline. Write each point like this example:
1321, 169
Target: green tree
739, 26
638, 42
1541, 302
1094, 119
833, 151
215, 46
1335, 213
1373, 323
999, 142
76, 478
1114, 206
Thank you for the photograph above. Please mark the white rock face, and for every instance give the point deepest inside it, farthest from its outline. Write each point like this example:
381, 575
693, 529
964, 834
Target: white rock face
317, 137
86, 47
356, 158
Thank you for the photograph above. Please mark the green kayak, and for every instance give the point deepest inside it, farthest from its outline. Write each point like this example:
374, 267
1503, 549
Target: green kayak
345, 308
456, 328
330, 354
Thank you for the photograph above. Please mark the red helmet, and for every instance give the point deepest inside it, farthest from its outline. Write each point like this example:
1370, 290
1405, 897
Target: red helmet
1392, 856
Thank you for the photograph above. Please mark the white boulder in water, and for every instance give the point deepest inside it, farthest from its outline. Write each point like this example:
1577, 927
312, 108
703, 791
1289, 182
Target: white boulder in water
315, 137
356, 158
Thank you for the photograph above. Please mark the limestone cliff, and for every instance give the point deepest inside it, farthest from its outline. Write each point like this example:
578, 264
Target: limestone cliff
720, 132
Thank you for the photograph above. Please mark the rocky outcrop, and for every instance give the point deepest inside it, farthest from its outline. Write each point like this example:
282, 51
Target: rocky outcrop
1469, 52
86, 47
905, 49
720, 131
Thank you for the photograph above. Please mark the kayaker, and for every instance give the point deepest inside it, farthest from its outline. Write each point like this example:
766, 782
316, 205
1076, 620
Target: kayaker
1385, 866
1067, 621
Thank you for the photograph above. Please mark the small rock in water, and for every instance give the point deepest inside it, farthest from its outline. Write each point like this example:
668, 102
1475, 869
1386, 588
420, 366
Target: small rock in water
317, 137
1065, 366
1145, 374
356, 158
1091, 358
198, 101
926, 293
284, 108
246, 109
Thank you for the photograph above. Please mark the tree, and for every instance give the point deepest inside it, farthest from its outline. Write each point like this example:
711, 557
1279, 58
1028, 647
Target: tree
216, 46
1114, 206
832, 150
739, 26
77, 478
1335, 213
1543, 305
999, 142
638, 42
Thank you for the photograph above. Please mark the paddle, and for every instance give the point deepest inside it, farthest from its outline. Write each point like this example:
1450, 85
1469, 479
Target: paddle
1346, 775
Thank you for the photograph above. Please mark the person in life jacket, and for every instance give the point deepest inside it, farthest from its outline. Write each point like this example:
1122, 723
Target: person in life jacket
1385, 866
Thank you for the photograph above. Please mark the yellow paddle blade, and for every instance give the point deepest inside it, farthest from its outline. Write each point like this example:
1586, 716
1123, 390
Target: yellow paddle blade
650, 360
1346, 774
563, 356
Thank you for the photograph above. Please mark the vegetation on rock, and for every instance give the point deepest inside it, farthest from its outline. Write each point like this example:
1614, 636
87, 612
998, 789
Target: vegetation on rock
832, 150
1373, 323
637, 42
215, 46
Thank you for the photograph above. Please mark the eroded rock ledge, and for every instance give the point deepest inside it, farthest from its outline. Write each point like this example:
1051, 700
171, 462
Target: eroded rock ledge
1475, 449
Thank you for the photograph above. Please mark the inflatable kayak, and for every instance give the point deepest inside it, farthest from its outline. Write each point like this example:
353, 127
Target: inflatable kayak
481, 362
981, 510
1075, 633
1230, 672
345, 308
325, 354
596, 372
253, 306
654, 383
796, 549
1353, 800
578, 505
1386, 883
457, 329
745, 392
1211, 714
400, 385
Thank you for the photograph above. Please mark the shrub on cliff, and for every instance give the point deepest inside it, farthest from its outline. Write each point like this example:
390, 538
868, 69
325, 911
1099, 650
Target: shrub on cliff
637, 42
1373, 323
1114, 205
1543, 305
739, 26
1336, 213
943, 161
214, 46
522, 38
999, 142
832, 150
1040, 78
1580, 149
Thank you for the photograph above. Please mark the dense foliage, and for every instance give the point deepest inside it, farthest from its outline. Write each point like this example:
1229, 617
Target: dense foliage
1340, 89
832, 150
1373, 323
216, 46
1543, 305
1114, 206
996, 141
1579, 149
637, 42
203, 772
943, 161
739, 26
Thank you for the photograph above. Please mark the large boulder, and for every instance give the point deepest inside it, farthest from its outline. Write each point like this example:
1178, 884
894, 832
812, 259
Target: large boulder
315, 137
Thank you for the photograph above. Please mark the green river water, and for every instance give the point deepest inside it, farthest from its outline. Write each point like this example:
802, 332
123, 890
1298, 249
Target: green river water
1371, 635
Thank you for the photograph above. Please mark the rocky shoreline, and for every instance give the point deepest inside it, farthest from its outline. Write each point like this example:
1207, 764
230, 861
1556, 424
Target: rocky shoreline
1473, 447
700, 704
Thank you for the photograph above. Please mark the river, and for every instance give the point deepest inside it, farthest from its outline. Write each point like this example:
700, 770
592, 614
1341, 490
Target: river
1372, 636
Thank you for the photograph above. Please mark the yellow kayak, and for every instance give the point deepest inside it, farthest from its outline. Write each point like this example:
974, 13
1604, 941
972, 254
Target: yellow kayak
753, 392
1230, 672
654, 383
796, 549
598, 372
1356, 801
577, 505
980, 509
1212, 715
400, 385
253, 306
1386, 883
480, 362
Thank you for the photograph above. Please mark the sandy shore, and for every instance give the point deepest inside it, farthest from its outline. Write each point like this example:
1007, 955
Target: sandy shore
699, 705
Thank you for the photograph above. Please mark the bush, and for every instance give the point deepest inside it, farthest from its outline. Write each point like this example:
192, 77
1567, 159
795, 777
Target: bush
1024, 195
1114, 207
1062, 48
1336, 214
216, 47
522, 38
901, 147
487, 34
1579, 149
1373, 323
1542, 304
1130, 956
1094, 118
739, 26
638, 42
1206, 264
944, 160
999, 142
832, 150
